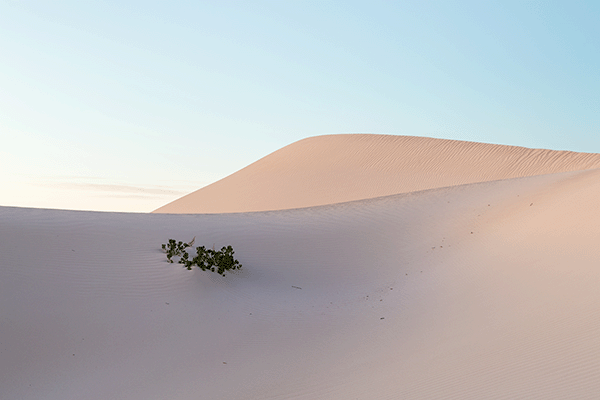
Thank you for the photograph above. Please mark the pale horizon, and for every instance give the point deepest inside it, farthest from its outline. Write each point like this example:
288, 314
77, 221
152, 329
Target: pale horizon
411, 190
128, 106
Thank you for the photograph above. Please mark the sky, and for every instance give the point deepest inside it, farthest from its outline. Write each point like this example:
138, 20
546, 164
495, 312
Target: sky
127, 105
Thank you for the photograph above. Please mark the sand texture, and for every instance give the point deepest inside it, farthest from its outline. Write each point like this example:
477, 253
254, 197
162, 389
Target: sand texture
338, 168
484, 290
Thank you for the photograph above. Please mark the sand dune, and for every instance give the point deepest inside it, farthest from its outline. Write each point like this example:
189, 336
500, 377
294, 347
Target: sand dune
337, 168
479, 291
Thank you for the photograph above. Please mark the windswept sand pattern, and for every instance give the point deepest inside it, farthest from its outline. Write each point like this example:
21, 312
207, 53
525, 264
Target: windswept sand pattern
337, 168
479, 291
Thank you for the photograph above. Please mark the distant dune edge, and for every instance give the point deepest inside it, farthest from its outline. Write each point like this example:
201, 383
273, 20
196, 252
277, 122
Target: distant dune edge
332, 169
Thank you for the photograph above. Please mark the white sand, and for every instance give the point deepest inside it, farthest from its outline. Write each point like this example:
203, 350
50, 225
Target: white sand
479, 291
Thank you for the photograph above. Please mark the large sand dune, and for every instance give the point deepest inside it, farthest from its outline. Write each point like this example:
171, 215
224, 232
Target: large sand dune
480, 291
337, 168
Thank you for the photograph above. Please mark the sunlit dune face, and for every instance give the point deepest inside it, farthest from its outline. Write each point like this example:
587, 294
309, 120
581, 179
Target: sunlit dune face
337, 168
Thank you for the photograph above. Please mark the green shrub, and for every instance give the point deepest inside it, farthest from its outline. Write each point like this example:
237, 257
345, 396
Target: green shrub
206, 259
175, 248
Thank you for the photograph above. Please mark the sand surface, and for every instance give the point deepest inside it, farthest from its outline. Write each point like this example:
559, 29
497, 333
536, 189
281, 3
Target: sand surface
485, 290
338, 168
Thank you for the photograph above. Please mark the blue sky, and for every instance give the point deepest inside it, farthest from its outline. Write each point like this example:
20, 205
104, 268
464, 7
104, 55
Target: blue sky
127, 105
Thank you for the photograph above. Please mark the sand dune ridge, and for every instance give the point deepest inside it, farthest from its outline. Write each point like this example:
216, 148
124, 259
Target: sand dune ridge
337, 168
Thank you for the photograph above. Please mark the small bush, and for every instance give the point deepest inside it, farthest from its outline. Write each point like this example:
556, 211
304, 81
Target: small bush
206, 259
174, 248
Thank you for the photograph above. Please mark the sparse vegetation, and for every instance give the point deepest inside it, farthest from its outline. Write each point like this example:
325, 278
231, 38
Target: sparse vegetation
173, 248
206, 259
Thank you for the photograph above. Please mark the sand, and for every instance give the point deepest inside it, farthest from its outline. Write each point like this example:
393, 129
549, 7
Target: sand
484, 290
339, 168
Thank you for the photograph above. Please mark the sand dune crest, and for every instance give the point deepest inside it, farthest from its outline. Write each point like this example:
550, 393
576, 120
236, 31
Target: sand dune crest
337, 168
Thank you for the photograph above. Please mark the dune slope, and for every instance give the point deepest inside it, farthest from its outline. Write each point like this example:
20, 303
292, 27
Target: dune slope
480, 291
337, 168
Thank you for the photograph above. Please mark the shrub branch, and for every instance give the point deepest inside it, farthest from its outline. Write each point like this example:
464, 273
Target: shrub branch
206, 259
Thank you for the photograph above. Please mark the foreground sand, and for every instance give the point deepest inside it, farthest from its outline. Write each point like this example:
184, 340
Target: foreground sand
478, 291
